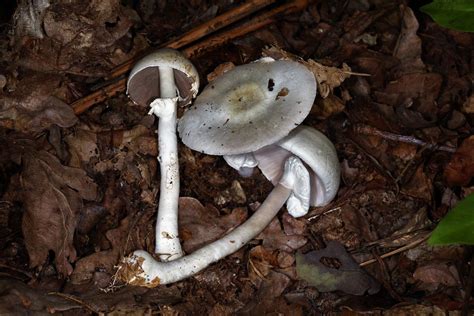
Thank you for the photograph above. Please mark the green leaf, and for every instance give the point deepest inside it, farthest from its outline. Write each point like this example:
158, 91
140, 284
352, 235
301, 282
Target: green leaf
453, 14
457, 227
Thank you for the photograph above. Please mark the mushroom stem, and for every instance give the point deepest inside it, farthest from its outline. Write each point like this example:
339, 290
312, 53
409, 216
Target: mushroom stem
142, 269
167, 243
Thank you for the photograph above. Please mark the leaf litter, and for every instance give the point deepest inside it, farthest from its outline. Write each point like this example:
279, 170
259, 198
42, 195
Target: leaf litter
77, 193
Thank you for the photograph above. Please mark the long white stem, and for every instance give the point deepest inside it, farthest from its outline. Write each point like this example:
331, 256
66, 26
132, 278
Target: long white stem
167, 241
143, 270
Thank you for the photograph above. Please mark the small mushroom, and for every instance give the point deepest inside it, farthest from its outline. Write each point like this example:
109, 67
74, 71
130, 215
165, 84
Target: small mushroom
162, 80
142, 269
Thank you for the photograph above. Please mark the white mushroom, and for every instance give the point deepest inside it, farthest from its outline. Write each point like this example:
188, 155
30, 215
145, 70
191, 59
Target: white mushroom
161, 80
142, 269
242, 114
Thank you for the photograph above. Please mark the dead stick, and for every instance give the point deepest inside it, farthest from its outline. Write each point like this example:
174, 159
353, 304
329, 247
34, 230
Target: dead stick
77, 300
98, 96
200, 31
247, 27
85, 103
394, 252
369, 130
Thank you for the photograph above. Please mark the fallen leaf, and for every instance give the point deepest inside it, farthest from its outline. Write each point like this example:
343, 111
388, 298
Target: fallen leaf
33, 106
408, 49
220, 70
260, 262
437, 274
17, 298
419, 185
103, 260
349, 278
199, 225
327, 77
52, 196
460, 169
468, 105
78, 37
274, 238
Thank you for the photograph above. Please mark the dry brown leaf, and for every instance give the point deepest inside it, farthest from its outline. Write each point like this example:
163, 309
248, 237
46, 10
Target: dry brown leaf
104, 260
220, 70
437, 274
80, 38
32, 107
17, 298
408, 49
260, 263
199, 225
274, 238
52, 196
460, 169
468, 106
327, 77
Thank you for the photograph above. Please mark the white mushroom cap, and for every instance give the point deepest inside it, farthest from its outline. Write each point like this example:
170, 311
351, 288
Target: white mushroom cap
143, 84
249, 107
315, 150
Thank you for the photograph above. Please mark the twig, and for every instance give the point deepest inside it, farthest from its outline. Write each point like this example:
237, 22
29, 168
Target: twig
248, 27
98, 96
200, 31
107, 91
369, 130
78, 301
396, 251
25, 273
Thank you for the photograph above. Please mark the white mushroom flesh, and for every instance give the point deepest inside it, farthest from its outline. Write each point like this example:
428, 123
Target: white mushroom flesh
167, 243
243, 163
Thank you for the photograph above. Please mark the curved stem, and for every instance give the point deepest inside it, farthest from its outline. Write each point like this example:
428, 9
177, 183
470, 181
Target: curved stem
167, 241
143, 270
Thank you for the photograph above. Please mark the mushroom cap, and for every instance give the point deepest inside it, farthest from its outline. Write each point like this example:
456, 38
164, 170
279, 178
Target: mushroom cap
249, 107
315, 150
143, 85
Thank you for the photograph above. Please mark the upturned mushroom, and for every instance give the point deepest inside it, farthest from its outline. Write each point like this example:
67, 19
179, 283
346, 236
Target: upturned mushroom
248, 108
162, 80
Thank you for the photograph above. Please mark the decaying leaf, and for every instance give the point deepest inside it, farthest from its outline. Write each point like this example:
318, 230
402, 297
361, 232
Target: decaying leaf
275, 238
349, 278
408, 49
28, 18
103, 260
199, 225
460, 169
17, 298
437, 274
52, 195
327, 77
34, 107
220, 70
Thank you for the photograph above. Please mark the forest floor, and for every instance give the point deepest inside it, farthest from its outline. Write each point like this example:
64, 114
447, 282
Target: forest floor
79, 188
